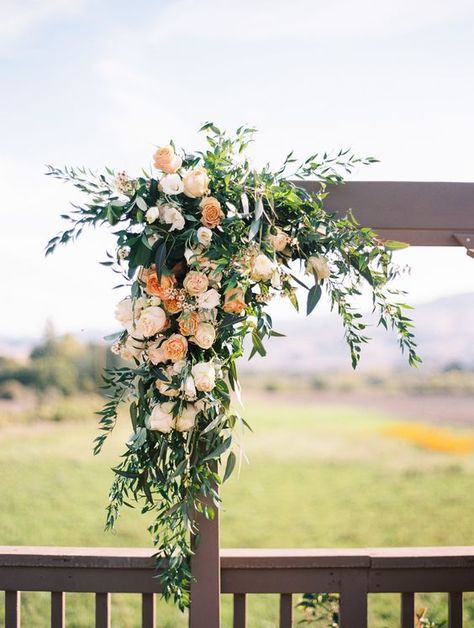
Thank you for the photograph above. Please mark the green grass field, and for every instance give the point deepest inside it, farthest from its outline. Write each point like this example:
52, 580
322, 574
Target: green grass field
318, 477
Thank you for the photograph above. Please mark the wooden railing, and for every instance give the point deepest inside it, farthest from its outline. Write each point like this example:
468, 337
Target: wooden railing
351, 573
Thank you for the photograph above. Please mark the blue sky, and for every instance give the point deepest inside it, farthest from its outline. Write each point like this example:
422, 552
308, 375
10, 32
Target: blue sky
102, 83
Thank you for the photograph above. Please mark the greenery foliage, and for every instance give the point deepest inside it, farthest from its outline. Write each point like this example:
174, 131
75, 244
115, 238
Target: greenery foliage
203, 246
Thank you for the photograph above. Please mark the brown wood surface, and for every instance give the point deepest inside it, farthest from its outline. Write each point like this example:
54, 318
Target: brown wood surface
420, 213
58, 609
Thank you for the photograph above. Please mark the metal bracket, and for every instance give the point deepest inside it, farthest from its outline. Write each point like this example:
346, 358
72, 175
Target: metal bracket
466, 240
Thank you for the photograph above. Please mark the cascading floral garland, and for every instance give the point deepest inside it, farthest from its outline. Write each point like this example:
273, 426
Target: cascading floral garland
204, 245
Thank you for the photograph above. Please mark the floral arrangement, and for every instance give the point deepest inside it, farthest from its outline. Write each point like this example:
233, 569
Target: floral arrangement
204, 243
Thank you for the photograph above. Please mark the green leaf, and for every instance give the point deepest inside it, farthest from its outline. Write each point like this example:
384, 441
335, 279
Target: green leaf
140, 203
160, 258
314, 295
229, 467
394, 245
219, 450
254, 228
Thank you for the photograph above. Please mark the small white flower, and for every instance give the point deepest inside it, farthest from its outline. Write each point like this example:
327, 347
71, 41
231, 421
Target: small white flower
204, 235
152, 214
209, 299
171, 184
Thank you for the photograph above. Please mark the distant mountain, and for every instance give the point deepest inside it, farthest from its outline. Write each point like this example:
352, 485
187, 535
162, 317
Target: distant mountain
444, 329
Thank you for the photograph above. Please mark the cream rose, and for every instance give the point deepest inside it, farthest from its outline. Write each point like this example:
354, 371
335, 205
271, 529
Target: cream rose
279, 241
131, 348
152, 320
155, 353
165, 388
161, 418
172, 216
204, 375
262, 268
175, 347
152, 214
195, 283
186, 420
204, 336
318, 266
171, 184
209, 299
204, 236
195, 182
166, 160
124, 312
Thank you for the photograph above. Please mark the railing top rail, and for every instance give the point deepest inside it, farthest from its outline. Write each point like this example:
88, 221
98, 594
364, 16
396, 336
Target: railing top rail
143, 558
418, 212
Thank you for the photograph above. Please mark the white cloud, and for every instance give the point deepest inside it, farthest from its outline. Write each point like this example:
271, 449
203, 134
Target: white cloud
17, 19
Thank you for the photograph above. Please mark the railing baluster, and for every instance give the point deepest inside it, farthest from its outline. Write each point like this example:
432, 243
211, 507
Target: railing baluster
353, 600
286, 610
240, 610
148, 610
58, 607
407, 610
102, 610
12, 609
455, 610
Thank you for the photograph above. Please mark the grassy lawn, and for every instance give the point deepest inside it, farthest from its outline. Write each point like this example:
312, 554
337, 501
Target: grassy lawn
318, 476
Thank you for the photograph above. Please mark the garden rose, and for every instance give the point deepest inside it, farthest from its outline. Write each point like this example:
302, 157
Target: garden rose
171, 184
166, 160
165, 388
279, 241
174, 304
155, 353
209, 299
161, 288
204, 236
175, 347
204, 335
131, 348
172, 216
161, 418
234, 301
186, 420
211, 212
262, 268
152, 320
188, 323
204, 375
318, 266
195, 182
195, 283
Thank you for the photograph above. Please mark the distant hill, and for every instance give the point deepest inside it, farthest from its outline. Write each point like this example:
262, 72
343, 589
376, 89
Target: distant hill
444, 329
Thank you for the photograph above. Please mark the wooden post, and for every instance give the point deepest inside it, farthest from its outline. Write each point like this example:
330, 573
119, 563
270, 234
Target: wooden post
206, 569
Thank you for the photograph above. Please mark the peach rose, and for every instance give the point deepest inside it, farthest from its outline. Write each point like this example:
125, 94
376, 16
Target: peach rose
175, 348
161, 288
174, 304
234, 301
188, 323
318, 266
195, 283
195, 182
211, 212
279, 241
205, 335
166, 160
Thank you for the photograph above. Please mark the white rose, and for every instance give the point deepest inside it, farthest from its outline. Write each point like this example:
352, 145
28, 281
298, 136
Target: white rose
209, 299
178, 366
318, 266
124, 312
171, 184
185, 421
205, 335
152, 320
262, 268
172, 216
204, 235
189, 388
152, 214
161, 418
204, 375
